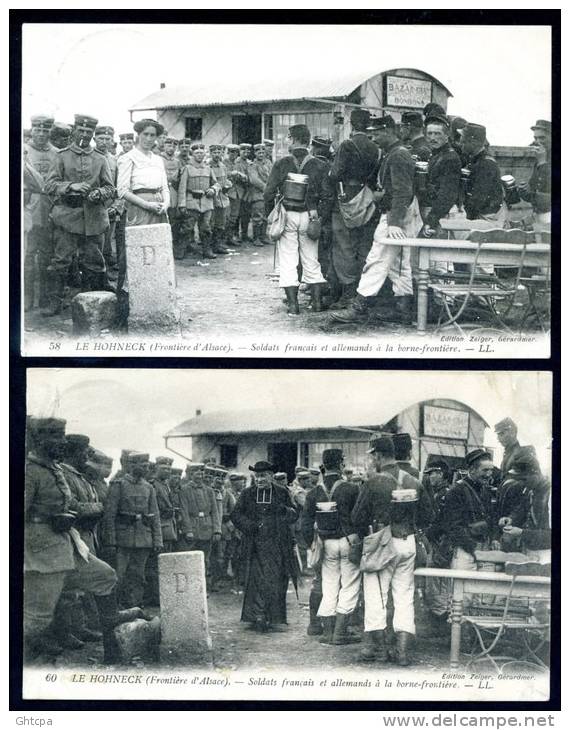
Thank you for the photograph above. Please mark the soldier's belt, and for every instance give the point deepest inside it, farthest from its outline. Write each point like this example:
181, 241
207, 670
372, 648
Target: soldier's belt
128, 518
72, 201
150, 191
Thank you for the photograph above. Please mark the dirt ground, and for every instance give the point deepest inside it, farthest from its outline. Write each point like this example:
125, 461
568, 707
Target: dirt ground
236, 646
236, 294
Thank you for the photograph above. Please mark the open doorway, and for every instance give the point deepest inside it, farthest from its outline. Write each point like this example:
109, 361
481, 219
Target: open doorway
246, 128
283, 456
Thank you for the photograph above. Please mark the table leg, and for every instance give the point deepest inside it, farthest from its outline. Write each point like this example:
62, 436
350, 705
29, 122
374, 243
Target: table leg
456, 616
423, 280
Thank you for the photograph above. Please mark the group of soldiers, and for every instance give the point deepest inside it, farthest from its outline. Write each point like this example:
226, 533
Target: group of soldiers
92, 541
386, 180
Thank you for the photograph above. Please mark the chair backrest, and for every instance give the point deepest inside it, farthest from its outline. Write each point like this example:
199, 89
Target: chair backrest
502, 235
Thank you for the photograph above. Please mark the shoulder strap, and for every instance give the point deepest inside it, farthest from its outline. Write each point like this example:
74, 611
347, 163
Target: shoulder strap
401, 473
335, 485
304, 162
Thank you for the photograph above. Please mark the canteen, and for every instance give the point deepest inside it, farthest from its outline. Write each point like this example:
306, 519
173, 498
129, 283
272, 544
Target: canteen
421, 175
510, 190
326, 517
295, 187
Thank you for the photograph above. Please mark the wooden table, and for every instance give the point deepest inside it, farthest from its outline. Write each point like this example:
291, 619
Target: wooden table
463, 252
477, 581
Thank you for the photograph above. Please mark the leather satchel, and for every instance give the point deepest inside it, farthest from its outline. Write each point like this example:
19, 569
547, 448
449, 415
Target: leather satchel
377, 551
276, 220
315, 552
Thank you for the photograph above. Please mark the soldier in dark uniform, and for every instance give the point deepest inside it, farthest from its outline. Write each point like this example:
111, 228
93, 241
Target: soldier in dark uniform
196, 192
127, 142
225, 501
336, 586
264, 513
98, 469
269, 146
403, 452
258, 174
175, 483
469, 516
103, 142
241, 181
200, 517
235, 194
443, 184
321, 151
483, 189
400, 219
506, 430
39, 242
173, 167
538, 189
391, 497
160, 482
131, 524
60, 135
295, 245
433, 109
412, 135
437, 590
76, 610
55, 556
82, 183
528, 527
221, 212
355, 166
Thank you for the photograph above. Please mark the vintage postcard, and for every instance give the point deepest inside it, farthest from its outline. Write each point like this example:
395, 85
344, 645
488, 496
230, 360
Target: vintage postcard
288, 534
388, 201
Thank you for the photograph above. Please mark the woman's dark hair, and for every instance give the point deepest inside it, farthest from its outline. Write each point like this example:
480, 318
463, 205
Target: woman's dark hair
142, 124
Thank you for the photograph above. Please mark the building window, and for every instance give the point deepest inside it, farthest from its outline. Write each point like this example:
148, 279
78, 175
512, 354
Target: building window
228, 455
193, 128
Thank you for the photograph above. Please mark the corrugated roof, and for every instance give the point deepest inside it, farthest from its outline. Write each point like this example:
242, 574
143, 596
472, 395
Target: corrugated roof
227, 91
377, 412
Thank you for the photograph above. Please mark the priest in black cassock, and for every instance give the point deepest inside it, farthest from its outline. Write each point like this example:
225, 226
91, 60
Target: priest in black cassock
264, 514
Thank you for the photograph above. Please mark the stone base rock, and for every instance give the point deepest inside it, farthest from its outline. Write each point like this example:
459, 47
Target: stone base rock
92, 312
151, 277
139, 639
185, 635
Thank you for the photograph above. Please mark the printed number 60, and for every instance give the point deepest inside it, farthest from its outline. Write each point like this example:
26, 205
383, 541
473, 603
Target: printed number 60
51, 677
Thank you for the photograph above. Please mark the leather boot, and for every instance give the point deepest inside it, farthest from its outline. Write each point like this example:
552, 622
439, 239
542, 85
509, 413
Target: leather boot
110, 617
317, 297
42, 643
218, 246
291, 292
348, 293
29, 286
369, 648
340, 635
257, 240
356, 313
207, 252
315, 627
404, 309
401, 656
328, 623
56, 286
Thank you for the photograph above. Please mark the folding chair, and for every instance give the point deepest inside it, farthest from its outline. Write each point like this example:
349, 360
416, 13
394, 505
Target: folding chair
481, 294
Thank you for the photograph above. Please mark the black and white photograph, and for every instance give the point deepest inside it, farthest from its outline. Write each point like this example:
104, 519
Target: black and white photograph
287, 190
288, 534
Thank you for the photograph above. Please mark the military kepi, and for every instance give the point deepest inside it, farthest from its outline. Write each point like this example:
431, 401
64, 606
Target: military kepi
83, 120
42, 121
476, 455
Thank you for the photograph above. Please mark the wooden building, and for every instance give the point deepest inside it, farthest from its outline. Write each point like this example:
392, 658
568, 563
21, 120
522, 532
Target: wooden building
249, 111
298, 435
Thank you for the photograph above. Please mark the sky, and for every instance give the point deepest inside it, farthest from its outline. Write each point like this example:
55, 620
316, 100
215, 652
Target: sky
499, 75
133, 408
